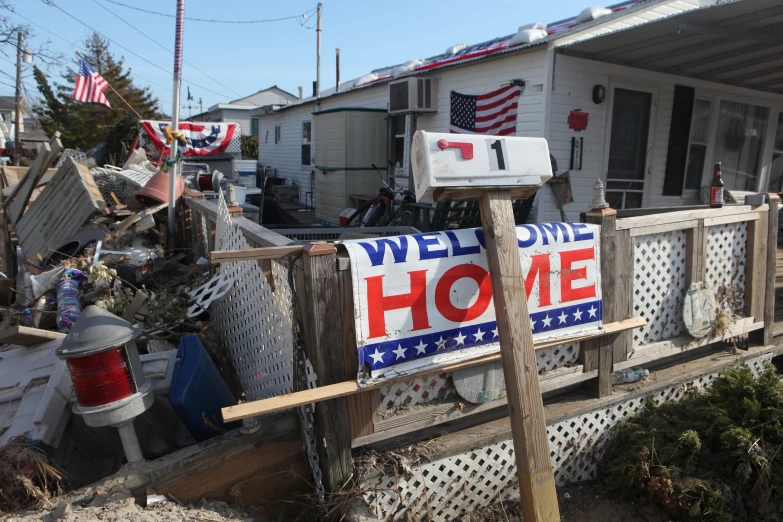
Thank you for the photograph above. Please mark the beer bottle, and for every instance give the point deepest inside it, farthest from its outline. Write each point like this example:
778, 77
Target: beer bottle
716, 188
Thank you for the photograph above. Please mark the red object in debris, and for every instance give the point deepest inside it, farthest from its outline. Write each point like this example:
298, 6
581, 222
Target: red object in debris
577, 120
466, 148
157, 189
101, 378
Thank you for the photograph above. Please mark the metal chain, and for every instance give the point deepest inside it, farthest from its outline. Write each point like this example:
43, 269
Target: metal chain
300, 356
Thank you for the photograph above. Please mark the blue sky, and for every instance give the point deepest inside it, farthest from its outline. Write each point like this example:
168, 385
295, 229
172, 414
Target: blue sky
249, 57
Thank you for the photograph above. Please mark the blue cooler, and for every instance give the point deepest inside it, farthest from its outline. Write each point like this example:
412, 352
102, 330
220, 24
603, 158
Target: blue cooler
198, 391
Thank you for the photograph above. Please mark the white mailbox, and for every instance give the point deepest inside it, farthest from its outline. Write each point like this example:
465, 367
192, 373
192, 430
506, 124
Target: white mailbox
472, 161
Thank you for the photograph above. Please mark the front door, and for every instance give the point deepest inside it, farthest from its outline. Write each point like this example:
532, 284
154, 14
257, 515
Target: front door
628, 148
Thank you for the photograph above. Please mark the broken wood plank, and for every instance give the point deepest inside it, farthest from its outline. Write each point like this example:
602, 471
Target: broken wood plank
253, 254
66, 203
267, 469
17, 201
129, 221
332, 391
26, 336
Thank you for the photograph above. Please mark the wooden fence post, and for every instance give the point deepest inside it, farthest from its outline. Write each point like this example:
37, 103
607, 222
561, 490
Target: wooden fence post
772, 251
319, 308
599, 352
515, 332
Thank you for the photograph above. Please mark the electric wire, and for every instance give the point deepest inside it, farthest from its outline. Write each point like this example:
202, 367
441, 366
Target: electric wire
270, 20
153, 40
51, 3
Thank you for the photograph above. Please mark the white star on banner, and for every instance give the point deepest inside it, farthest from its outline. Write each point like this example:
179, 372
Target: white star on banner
495, 332
592, 311
441, 343
562, 317
377, 357
532, 324
578, 315
547, 321
421, 347
460, 339
400, 351
479, 335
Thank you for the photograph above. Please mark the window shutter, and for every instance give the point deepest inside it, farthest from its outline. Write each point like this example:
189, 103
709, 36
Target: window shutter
679, 133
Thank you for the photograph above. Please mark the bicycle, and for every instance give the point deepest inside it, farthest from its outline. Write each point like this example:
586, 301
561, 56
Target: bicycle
371, 213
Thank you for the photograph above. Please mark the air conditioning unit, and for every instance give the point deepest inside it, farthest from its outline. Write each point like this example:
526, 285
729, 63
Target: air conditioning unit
413, 94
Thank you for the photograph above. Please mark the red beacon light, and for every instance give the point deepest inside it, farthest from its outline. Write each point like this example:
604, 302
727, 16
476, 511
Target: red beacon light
108, 380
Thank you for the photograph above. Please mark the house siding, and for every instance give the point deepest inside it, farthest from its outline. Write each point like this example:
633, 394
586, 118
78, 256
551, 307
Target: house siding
574, 79
474, 78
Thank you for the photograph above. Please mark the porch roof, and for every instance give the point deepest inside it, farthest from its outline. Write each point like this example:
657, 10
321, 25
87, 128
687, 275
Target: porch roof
738, 43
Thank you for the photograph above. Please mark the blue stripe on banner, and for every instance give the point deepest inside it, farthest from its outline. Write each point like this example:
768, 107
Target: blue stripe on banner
390, 353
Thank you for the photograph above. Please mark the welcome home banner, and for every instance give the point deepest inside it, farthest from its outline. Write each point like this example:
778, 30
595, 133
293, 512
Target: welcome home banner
425, 300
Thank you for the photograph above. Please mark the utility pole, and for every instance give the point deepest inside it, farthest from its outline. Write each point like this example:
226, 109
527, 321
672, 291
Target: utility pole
200, 106
18, 115
173, 171
318, 59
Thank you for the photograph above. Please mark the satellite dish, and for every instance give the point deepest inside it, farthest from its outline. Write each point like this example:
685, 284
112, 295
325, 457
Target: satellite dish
480, 384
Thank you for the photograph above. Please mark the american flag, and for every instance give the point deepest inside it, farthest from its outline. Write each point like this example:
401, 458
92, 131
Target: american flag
492, 113
90, 85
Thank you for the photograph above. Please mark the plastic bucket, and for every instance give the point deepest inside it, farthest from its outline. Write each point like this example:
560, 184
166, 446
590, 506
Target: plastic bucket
240, 193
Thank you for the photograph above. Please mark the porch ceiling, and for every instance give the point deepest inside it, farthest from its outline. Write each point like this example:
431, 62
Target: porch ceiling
738, 43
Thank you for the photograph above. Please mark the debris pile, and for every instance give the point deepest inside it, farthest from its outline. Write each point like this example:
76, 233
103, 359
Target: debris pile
78, 237
710, 456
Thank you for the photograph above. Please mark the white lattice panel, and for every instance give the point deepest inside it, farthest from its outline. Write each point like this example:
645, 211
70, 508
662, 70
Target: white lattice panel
448, 488
726, 256
250, 322
282, 289
659, 285
420, 390
423, 390
556, 357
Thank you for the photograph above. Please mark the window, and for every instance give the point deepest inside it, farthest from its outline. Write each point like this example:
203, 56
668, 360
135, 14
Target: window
306, 142
277, 134
254, 126
776, 167
697, 144
738, 144
398, 133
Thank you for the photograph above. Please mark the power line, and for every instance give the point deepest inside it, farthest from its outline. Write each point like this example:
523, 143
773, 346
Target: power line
153, 40
78, 48
294, 17
51, 3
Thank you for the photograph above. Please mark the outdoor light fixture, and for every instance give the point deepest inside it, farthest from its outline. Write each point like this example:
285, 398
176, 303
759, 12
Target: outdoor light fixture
27, 55
111, 390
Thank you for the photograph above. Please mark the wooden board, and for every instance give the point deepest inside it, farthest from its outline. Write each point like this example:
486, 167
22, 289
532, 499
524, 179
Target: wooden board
26, 336
267, 469
62, 209
686, 215
515, 332
322, 393
252, 254
17, 202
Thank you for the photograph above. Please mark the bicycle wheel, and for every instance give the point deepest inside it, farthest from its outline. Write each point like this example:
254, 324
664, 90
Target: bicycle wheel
402, 219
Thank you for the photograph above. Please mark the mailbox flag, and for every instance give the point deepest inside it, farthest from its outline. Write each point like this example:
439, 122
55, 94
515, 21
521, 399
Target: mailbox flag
492, 113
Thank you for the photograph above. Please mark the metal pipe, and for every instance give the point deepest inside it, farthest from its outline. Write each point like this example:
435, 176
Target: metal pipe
173, 171
338, 69
301, 93
18, 115
318, 59
130, 443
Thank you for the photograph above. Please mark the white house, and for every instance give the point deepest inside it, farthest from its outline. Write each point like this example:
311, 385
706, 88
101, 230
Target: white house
239, 110
669, 87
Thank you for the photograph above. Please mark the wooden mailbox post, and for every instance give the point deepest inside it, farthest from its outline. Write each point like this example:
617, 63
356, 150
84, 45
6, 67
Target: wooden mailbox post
494, 169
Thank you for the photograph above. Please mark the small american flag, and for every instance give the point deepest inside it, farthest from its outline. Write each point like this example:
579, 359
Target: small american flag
492, 113
90, 85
